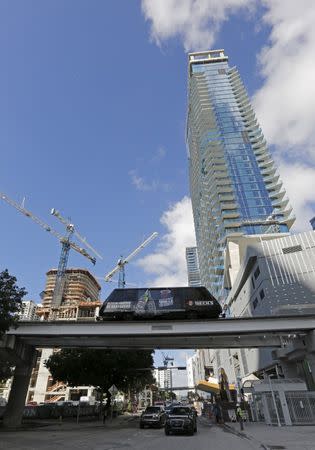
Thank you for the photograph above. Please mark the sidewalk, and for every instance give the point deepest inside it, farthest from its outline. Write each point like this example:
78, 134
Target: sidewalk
272, 437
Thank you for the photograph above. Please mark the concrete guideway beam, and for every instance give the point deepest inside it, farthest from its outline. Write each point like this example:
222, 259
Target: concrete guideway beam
14, 350
220, 333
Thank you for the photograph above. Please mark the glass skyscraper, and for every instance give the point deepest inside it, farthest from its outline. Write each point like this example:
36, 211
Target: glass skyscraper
234, 184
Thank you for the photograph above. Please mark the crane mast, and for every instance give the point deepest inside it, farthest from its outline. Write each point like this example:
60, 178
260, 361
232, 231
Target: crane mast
61, 271
120, 267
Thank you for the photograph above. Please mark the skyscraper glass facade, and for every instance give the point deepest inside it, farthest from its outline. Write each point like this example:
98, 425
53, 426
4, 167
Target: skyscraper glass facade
235, 187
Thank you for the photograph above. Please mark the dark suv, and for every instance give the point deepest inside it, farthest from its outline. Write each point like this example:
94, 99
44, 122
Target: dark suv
181, 419
153, 416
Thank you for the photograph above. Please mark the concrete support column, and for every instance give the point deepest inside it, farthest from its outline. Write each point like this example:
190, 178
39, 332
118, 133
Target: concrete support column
289, 369
310, 358
16, 402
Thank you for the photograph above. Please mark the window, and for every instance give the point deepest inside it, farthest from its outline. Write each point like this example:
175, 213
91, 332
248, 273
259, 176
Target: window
262, 294
221, 71
293, 249
257, 273
253, 282
255, 303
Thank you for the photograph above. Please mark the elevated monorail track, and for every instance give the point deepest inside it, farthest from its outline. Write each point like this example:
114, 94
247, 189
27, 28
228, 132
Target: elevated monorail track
220, 333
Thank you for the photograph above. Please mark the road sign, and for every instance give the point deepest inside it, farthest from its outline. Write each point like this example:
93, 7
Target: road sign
113, 389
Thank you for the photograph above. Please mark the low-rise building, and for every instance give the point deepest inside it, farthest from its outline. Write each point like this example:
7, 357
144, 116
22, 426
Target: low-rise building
28, 311
163, 377
267, 275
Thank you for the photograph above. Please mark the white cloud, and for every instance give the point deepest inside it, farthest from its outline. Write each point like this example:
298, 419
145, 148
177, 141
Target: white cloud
159, 155
141, 184
196, 22
285, 102
167, 265
298, 180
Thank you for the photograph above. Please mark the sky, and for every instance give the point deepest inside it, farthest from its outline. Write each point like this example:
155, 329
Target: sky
92, 122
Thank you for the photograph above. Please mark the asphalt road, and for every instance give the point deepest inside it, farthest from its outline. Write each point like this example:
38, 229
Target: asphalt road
124, 434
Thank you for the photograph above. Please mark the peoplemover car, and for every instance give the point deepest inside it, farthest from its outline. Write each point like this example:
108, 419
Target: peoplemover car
181, 419
174, 303
153, 416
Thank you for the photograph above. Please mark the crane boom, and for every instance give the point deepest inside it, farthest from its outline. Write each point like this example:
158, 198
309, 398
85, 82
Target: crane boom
141, 246
45, 226
66, 244
67, 223
27, 213
122, 262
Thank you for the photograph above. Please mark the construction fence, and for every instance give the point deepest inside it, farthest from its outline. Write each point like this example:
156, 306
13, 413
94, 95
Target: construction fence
287, 408
53, 411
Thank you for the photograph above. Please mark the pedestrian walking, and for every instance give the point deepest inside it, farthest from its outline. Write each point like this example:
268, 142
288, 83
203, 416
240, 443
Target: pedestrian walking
104, 413
217, 413
106, 407
240, 416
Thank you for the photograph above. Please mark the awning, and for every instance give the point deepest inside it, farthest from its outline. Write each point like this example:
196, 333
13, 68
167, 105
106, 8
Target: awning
211, 387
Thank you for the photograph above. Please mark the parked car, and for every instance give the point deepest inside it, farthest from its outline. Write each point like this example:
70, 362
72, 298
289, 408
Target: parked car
181, 419
153, 416
31, 403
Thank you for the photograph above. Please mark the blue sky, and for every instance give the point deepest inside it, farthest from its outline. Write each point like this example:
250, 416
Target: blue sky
92, 121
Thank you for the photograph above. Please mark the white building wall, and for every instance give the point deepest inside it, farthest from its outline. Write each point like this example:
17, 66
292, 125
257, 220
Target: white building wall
190, 364
163, 378
28, 311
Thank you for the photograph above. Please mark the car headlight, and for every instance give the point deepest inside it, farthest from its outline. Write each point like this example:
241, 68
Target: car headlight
155, 416
187, 421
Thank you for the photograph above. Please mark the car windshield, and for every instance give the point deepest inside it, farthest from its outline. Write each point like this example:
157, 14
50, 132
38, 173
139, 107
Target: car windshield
180, 411
153, 409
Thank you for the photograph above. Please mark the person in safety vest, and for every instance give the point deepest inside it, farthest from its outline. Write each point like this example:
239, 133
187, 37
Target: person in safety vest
240, 415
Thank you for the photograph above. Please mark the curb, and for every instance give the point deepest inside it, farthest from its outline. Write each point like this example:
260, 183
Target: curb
243, 435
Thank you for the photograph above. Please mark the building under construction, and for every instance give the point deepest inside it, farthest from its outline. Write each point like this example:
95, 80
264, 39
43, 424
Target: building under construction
80, 301
80, 297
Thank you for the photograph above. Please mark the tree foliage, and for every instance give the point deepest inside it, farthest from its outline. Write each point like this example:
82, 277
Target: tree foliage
6, 370
10, 301
10, 304
102, 368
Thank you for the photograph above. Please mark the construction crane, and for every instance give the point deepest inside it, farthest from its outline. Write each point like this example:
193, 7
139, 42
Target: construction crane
66, 245
166, 360
120, 267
